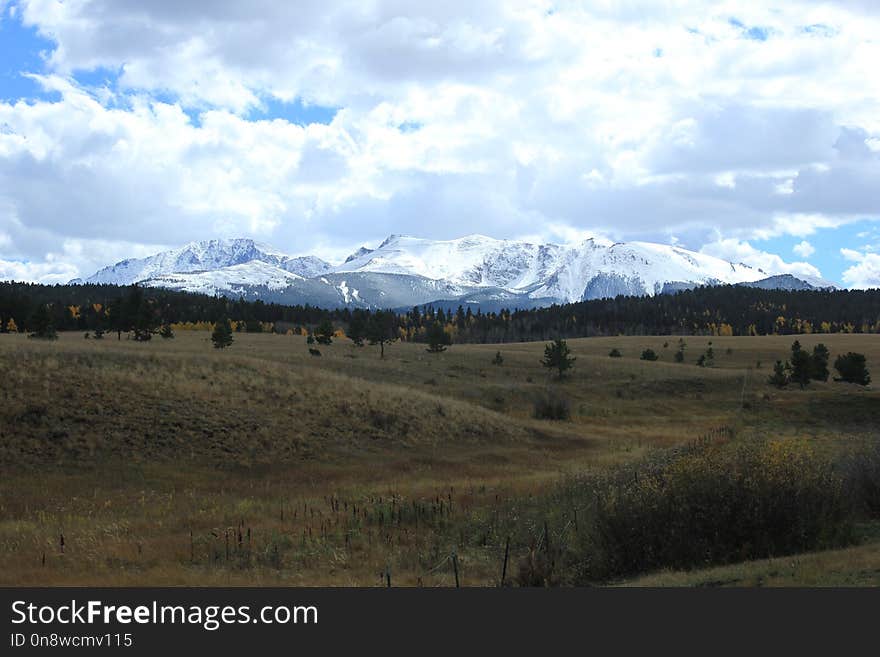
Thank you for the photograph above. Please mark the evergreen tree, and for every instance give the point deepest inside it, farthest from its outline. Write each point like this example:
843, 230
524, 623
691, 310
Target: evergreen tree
222, 335
310, 339
679, 353
381, 329
801, 365
324, 332
779, 378
42, 326
438, 339
557, 357
499, 359
852, 368
819, 363
357, 328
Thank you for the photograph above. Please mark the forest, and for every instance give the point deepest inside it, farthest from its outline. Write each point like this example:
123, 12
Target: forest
719, 310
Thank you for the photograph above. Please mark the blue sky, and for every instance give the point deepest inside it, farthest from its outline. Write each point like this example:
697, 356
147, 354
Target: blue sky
750, 133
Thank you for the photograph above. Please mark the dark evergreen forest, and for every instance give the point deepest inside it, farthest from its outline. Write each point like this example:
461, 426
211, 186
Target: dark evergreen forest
722, 310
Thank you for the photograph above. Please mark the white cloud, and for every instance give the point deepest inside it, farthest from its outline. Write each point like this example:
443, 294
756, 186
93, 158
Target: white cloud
865, 273
804, 249
736, 251
524, 118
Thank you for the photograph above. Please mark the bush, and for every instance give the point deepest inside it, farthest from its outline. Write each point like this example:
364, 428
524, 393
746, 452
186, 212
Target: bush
713, 504
851, 368
862, 472
614, 353
649, 354
551, 406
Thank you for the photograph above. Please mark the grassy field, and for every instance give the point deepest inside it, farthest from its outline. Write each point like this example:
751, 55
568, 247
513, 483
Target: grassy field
170, 462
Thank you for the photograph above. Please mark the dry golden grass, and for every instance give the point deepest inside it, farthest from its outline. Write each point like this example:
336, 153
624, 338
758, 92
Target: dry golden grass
145, 457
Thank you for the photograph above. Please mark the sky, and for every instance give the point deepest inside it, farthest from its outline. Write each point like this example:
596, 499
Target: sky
749, 131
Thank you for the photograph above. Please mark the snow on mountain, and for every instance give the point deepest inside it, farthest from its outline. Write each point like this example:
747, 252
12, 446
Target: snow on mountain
412, 271
206, 256
564, 273
235, 279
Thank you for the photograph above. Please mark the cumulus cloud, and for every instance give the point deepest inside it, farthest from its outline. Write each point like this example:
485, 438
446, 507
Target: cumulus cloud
512, 118
804, 249
865, 273
736, 250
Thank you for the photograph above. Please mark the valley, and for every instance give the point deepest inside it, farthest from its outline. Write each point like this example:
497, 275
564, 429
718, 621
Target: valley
169, 462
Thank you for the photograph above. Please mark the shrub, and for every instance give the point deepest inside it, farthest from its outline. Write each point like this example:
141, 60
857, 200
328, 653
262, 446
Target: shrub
714, 504
551, 406
499, 359
614, 353
851, 368
862, 472
649, 354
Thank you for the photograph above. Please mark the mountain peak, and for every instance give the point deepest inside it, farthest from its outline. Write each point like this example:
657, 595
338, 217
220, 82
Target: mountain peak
415, 270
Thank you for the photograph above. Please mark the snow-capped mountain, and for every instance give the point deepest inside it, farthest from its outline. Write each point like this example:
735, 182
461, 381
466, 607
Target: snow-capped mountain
594, 268
405, 271
209, 256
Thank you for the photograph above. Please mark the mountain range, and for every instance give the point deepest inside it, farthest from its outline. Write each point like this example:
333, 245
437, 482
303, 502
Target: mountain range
406, 271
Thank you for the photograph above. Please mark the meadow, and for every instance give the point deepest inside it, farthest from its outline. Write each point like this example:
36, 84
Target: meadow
173, 463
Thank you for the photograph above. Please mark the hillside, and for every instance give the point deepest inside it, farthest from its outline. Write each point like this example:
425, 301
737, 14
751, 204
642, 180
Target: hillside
148, 457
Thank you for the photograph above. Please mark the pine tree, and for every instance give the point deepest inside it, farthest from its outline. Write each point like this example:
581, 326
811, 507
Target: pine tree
679, 353
801, 365
381, 329
438, 338
852, 368
819, 363
357, 329
324, 332
41, 324
499, 359
557, 356
222, 335
779, 378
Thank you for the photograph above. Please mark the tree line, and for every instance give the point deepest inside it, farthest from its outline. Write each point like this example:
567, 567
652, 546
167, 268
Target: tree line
721, 310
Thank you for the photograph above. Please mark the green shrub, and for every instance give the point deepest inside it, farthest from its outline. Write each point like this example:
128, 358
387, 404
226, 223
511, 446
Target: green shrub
649, 354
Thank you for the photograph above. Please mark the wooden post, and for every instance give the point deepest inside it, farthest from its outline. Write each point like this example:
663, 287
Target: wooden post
388, 577
506, 555
455, 568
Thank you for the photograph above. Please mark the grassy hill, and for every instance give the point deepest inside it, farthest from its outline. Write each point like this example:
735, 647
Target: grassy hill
171, 462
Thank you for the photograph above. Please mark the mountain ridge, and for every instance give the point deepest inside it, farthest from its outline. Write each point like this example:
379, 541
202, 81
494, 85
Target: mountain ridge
406, 271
